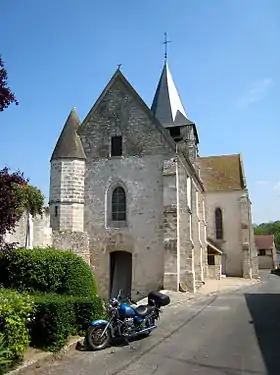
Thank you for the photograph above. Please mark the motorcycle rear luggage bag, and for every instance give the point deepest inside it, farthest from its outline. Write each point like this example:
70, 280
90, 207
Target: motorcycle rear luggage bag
159, 299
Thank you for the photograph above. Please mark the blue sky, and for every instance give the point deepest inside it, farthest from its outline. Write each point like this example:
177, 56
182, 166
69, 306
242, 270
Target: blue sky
224, 58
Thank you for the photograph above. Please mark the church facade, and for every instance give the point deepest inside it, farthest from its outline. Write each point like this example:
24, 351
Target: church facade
128, 187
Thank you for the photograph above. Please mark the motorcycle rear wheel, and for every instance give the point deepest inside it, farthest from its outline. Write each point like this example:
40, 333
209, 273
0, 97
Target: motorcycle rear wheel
94, 340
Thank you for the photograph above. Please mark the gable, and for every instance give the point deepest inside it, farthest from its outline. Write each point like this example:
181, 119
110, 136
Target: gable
222, 173
120, 111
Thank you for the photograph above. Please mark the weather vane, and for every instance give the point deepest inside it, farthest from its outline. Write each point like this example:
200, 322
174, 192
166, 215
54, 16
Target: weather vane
119, 66
166, 41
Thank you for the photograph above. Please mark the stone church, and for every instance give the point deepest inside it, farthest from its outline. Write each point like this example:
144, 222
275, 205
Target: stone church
130, 193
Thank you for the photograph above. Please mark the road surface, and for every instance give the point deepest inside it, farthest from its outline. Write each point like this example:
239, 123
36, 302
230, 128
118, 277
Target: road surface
236, 333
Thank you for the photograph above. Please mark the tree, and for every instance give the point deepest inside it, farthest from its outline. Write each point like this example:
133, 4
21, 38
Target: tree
6, 95
16, 195
270, 228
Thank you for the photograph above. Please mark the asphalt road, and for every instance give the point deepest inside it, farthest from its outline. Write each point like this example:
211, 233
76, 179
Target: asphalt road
235, 333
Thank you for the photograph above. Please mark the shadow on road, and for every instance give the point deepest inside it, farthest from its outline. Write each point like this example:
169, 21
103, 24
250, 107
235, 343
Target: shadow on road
265, 313
82, 347
218, 369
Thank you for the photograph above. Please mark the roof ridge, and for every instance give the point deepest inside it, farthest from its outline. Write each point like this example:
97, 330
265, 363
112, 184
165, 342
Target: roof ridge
218, 156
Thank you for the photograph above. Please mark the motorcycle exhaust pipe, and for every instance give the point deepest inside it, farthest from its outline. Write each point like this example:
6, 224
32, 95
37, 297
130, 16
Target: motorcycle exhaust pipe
147, 329
139, 332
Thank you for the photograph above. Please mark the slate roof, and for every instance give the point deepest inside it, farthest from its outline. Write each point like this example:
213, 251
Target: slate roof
222, 173
167, 106
69, 144
264, 241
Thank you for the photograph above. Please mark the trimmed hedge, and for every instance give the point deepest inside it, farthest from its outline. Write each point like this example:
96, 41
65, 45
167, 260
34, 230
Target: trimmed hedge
57, 317
47, 270
15, 311
62, 298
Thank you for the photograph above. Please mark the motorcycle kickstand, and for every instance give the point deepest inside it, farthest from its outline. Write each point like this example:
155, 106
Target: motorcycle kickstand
132, 347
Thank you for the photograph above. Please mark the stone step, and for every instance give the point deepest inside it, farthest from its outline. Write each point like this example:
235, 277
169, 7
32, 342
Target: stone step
199, 283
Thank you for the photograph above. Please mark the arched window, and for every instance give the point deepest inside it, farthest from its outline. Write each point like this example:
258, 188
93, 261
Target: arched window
118, 204
219, 223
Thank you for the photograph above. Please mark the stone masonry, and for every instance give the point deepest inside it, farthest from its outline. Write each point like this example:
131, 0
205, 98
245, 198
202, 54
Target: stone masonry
67, 194
153, 233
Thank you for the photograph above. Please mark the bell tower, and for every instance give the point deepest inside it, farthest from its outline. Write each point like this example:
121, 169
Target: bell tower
168, 109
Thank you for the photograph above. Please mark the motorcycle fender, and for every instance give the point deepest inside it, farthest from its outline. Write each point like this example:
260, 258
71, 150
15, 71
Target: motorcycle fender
103, 323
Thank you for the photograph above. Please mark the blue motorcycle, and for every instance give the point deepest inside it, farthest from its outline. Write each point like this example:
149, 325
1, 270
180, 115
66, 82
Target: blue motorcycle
125, 321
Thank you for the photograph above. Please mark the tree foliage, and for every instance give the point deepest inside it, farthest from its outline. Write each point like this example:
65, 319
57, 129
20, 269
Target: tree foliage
16, 195
270, 228
6, 95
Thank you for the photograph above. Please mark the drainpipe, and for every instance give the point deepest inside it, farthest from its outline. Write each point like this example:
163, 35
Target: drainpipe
178, 219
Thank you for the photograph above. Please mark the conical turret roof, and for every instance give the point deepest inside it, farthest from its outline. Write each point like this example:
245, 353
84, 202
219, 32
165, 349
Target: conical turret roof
69, 144
167, 105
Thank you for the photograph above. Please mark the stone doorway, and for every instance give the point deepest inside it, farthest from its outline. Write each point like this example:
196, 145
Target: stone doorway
120, 273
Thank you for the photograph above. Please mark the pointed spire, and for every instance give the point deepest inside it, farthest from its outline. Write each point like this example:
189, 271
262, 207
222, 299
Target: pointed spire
167, 105
69, 144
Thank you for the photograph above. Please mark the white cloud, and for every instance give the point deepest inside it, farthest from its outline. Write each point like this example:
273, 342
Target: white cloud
255, 92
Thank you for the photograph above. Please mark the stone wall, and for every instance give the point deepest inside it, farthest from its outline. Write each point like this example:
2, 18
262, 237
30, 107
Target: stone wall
170, 247
187, 270
77, 242
196, 235
170, 224
44, 237
42, 233
192, 227
215, 272
67, 194
203, 234
232, 242
266, 261
238, 240
250, 255
140, 172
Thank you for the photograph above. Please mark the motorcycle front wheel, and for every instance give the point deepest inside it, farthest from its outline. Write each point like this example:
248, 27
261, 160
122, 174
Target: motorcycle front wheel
94, 338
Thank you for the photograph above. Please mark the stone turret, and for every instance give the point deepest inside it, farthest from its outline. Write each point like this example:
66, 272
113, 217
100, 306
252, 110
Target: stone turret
67, 179
168, 109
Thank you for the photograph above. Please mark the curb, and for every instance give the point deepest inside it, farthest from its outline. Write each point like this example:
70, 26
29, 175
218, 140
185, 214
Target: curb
42, 356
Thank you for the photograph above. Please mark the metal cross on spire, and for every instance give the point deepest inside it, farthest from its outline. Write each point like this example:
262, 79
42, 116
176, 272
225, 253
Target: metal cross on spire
166, 41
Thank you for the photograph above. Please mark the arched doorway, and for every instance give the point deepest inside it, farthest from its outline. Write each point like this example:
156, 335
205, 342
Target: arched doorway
120, 273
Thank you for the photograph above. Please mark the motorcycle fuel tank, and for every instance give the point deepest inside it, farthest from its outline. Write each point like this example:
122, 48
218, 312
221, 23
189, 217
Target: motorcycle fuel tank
126, 311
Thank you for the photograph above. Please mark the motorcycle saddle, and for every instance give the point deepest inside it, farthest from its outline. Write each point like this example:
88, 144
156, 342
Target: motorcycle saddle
143, 310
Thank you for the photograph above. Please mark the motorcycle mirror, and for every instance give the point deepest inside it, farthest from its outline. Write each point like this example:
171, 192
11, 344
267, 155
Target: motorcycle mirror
119, 294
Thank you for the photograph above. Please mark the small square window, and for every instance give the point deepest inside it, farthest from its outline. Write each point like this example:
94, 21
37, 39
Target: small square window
116, 146
262, 252
175, 133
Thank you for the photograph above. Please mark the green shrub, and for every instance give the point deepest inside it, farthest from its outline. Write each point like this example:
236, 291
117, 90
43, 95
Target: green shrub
5, 356
87, 310
59, 316
15, 311
47, 270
